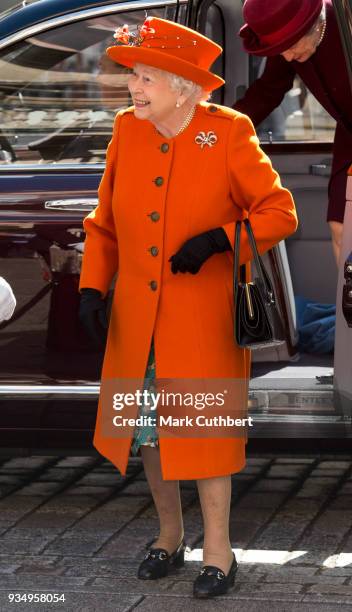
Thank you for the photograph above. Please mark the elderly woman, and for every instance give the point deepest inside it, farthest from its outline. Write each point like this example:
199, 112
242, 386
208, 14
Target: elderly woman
179, 173
302, 37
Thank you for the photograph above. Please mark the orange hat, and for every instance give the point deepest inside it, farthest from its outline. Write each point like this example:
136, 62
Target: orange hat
169, 46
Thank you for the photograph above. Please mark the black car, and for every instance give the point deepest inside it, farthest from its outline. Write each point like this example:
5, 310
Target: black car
59, 95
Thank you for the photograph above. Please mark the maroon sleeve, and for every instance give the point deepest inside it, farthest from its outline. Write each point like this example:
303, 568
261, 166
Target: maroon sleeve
341, 161
267, 92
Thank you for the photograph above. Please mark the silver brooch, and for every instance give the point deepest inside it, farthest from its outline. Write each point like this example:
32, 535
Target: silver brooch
203, 139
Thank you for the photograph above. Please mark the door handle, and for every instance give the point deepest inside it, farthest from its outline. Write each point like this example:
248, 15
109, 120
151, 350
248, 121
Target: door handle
5, 156
78, 204
320, 169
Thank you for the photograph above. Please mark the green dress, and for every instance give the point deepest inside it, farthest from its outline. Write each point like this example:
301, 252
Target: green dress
147, 435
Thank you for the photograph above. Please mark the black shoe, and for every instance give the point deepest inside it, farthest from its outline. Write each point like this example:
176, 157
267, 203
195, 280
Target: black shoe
157, 562
212, 581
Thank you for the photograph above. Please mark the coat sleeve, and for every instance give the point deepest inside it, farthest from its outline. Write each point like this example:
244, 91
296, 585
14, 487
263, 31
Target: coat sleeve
341, 161
256, 189
267, 92
100, 258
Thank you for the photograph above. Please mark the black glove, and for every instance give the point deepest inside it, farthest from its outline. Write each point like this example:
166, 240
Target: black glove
92, 316
198, 249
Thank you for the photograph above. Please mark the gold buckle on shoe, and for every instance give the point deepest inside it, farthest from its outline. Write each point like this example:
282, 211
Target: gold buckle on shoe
162, 555
219, 574
151, 554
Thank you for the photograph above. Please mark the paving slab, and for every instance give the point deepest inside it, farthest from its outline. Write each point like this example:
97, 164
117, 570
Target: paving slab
76, 526
75, 601
149, 604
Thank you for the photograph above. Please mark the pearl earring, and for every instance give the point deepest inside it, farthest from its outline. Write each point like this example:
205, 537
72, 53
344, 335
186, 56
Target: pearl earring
178, 105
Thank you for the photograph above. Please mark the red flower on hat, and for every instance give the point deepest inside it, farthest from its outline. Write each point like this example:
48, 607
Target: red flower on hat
249, 36
145, 30
123, 34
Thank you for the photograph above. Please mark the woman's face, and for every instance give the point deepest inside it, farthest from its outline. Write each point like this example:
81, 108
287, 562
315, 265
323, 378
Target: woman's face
304, 48
151, 94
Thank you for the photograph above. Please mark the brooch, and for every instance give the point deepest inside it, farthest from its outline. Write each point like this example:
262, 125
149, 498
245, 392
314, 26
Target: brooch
203, 139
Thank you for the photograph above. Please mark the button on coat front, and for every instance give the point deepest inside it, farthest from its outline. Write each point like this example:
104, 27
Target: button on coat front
154, 216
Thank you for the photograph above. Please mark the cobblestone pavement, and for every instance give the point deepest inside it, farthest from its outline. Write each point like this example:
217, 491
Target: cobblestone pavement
73, 525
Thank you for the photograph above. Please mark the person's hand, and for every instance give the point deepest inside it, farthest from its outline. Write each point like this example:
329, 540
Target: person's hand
191, 256
93, 317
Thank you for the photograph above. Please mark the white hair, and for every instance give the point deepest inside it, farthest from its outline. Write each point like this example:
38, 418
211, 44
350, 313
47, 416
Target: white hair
318, 22
178, 83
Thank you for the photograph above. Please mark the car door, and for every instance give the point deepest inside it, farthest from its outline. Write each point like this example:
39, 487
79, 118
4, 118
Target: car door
298, 137
59, 95
343, 339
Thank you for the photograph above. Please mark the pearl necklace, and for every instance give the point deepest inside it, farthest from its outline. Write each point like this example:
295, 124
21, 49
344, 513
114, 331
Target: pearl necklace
322, 33
187, 121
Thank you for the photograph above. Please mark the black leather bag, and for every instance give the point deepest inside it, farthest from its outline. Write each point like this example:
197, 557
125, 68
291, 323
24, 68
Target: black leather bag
258, 323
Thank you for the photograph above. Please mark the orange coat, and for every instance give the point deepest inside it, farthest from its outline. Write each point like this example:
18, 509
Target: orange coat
190, 316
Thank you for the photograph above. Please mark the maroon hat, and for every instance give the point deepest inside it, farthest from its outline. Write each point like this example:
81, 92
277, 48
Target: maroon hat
273, 26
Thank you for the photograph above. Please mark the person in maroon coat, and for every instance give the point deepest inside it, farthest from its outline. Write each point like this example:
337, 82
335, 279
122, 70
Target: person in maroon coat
301, 37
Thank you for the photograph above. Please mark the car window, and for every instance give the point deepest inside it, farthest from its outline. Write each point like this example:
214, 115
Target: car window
60, 92
299, 116
10, 6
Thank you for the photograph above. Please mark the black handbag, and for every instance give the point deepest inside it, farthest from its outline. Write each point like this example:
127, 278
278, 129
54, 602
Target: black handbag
257, 321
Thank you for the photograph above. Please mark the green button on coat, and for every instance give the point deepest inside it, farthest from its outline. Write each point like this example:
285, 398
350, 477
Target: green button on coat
159, 181
155, 216
154, 251
153, 285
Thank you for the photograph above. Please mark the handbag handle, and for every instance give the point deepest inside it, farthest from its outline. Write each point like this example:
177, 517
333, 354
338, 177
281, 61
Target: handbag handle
257, 259
237, 258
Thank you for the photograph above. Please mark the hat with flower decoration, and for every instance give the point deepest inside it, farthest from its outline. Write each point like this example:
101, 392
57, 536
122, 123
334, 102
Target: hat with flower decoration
273, 26
168, 46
